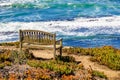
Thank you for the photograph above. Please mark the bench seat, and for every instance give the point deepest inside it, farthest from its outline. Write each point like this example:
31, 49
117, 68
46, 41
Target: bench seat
27, 45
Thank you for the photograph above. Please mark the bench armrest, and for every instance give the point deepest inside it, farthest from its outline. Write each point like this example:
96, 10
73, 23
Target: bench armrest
59, 41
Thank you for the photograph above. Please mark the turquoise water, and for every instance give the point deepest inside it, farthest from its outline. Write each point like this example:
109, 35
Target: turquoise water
83, 23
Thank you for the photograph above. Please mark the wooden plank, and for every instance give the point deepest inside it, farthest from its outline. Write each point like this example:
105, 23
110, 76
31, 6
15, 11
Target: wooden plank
20, 39
37, 31
33, 35
39, 37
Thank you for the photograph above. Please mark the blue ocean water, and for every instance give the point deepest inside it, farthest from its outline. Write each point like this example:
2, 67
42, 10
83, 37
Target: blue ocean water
81, 23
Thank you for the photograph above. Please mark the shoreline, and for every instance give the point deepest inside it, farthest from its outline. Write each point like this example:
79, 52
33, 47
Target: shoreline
16, 43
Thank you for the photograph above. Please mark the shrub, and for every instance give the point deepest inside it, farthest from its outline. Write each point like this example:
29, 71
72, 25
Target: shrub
65, 58
7, 63
4, 56
10, 44
28, 54
2, 65
99, 74
22, 57
18, 57
14, 57
59, 67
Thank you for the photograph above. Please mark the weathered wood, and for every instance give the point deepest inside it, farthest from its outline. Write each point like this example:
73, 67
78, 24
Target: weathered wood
41, 38
20, 40
54, 44
61, 47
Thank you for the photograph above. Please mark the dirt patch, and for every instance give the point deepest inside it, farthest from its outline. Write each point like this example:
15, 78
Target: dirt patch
111, 74
47, 54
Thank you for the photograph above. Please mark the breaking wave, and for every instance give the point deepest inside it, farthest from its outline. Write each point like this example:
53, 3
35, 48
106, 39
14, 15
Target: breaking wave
78, 27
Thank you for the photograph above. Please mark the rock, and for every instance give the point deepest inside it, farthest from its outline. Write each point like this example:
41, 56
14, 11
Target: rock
7, 67
1, 51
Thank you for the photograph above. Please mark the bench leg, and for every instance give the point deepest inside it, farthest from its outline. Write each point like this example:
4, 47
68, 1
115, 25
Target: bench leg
60, 51
20, 46
54, 54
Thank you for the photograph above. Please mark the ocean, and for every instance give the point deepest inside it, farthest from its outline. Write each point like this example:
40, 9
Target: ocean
81, 23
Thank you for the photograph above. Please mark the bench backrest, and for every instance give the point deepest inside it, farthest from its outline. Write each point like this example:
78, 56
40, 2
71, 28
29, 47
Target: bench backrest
37, 37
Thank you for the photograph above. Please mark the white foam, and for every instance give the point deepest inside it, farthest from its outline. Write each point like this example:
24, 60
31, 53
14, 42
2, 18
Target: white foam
78, 27
7, 36
5, 4
18, 1
36, 3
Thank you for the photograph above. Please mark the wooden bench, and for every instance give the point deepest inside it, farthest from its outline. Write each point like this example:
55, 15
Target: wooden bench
39, 39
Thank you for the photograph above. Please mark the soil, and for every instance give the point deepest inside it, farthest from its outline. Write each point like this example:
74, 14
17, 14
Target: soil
111, 74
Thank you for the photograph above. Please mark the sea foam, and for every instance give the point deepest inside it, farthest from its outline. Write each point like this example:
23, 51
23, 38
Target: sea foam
90, 24
77, 27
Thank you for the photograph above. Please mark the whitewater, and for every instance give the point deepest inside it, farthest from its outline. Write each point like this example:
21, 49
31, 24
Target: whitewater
86, 23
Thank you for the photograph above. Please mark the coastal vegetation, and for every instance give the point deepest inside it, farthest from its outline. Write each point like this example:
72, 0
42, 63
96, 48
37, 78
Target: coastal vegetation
23, 65
16, 44
99, 74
